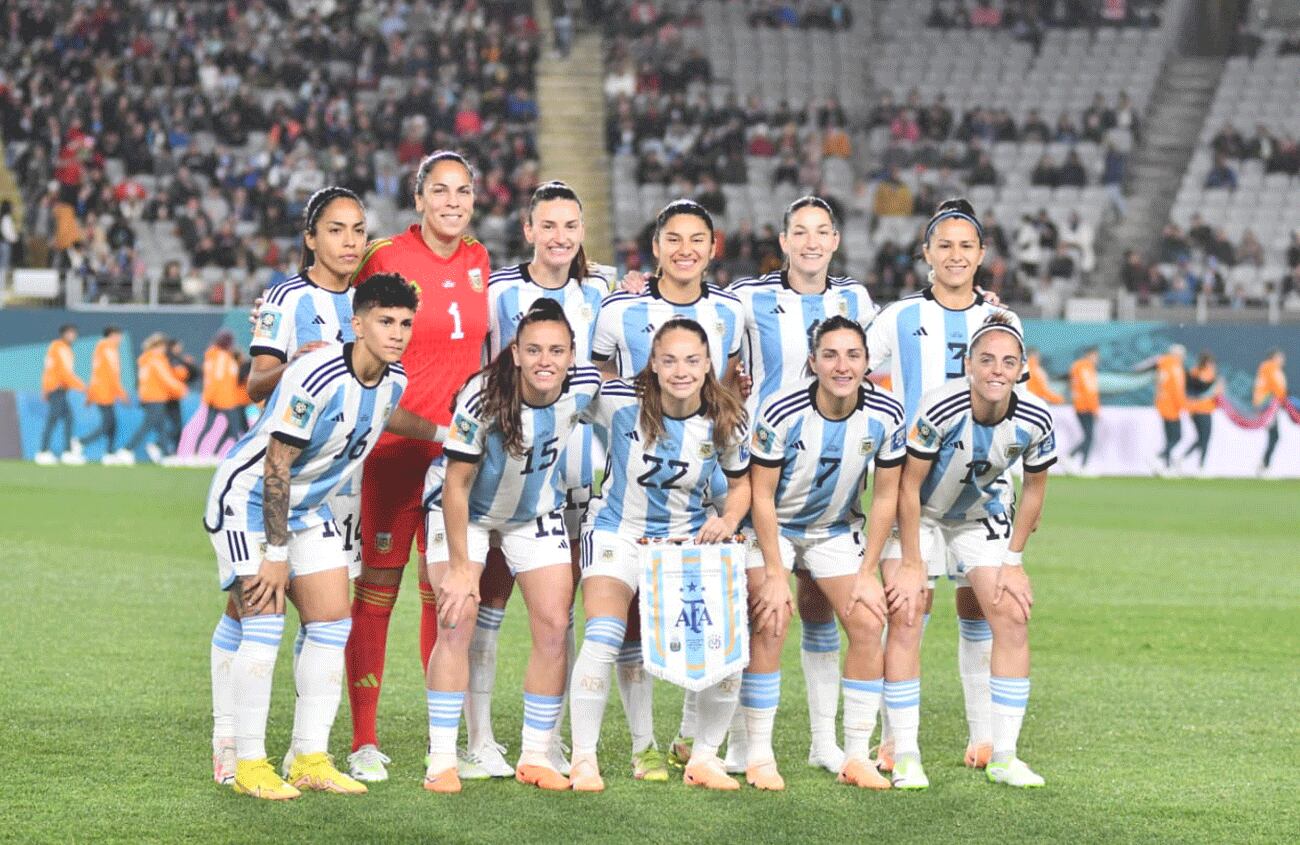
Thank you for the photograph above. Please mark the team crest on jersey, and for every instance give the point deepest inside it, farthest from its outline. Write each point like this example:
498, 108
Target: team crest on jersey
706, 450
866, 446
267, 323
764, 437
843, 307
383, 542
476, 279
587, 313
463, 429
720, 326
1013, 451
299, 411
925, 434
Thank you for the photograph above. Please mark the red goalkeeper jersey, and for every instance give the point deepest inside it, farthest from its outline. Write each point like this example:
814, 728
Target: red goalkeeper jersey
451, 323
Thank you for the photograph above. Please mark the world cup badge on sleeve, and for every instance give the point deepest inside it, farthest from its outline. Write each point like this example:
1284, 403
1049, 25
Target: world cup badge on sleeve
267, 323
298, 412
463, 429
694, 606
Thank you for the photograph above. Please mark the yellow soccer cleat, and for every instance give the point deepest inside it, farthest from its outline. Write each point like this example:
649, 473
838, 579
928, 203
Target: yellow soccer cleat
650, 765
317, 772
978, 755
258, 778
862, 774
709, 774
764, 776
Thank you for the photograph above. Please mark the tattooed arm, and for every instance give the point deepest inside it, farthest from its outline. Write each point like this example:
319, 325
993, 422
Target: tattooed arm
264, 592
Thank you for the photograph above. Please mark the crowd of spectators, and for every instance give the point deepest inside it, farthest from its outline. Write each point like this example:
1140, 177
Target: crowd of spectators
212, 123
1198, 260
1278, 153
1027, 18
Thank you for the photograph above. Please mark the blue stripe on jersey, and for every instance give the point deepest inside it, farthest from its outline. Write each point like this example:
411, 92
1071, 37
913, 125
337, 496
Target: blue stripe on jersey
322, 486
936, 473
769, 339
507, 316
956, 330
343, 311
304, 321
831, 448
981, 439
814, 311
623, 420
543, 431
635, 322
667, 448
908, 356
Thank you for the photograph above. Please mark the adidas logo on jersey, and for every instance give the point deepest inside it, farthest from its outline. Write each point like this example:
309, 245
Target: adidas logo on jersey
921, 332
318, 320
648, 330
798, 444
777, 310
632, 435
338, 417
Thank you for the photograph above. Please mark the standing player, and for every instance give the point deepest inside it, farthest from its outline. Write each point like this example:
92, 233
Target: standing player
812, 450
1203, 390
957, 495
1086, 396
306, 312
558, 271
1270, 388
782, 311
450, 269
57, 378
501, 475
924, 339
105, 391
269, 519
683, 245
666, 432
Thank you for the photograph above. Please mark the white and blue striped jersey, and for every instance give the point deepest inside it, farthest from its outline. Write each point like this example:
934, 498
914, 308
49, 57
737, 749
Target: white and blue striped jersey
297, 312
779, 323
824, 462
321, 407
512, 291
656, 490
924, 344
628, 322
969, 478
507, 487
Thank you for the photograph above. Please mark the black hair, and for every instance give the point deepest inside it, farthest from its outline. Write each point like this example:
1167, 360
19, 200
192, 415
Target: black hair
66, 327
959, 208
384, 290
683, 206
824, 327
108, 330
556, 190
809, 201
311, 212
433, 159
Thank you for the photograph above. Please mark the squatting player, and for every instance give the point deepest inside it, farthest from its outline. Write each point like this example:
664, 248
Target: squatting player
450, 269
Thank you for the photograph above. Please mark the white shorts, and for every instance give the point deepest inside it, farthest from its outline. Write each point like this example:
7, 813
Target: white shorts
315, 549
954, 548
526, 545
830, 557
346, 508
611, 555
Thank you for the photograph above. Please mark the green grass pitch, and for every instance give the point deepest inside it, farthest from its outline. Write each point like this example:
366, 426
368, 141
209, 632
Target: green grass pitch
1166, 679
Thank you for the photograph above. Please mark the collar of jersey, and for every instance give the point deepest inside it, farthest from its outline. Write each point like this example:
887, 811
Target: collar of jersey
528, 278
347, 361
1011, 409
653, 290
928, 293
303, 275
564, 388
812, 397
785, 283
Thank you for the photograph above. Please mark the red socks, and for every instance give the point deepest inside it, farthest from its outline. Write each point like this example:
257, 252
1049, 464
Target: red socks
428, 624
372, 606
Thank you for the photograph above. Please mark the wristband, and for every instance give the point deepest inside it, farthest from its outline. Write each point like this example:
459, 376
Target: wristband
276, 554
1014, 558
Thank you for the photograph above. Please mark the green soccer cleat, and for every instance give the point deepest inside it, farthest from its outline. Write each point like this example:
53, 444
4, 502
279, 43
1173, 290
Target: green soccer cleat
367, 764
908, 773
650, 765
1013, 772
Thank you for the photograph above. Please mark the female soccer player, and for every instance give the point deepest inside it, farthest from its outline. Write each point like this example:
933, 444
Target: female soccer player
1203, 389
667, 430
559, 272
502, 475
924, 340
272, 493
450, 268
308, 311
782, 309
683, 246
956, 493
812, 449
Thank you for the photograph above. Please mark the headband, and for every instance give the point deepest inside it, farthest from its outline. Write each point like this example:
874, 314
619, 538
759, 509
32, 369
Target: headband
960, 215
998, 327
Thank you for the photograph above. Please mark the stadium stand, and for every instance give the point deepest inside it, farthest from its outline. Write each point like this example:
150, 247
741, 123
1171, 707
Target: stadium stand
179, 142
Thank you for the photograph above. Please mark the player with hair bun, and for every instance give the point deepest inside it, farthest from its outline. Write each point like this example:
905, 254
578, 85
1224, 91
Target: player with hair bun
957, 496
813, 447
500, 474
450, 269
667, 430
922, 342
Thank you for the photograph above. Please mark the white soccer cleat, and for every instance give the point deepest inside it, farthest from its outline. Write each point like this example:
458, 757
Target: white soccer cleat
558, 756
124, 457
71, 458
367, 764
486, 761
908, 773
224, 762
46, 458
155, 454
75, 447
828, 756
1013, 773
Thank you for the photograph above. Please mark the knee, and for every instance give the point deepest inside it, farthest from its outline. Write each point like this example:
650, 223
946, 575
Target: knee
904, 636
550, 632
1009, 625
863, 630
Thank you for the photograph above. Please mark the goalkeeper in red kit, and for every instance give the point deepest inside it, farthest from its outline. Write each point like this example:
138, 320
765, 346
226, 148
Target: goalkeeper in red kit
450, 269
